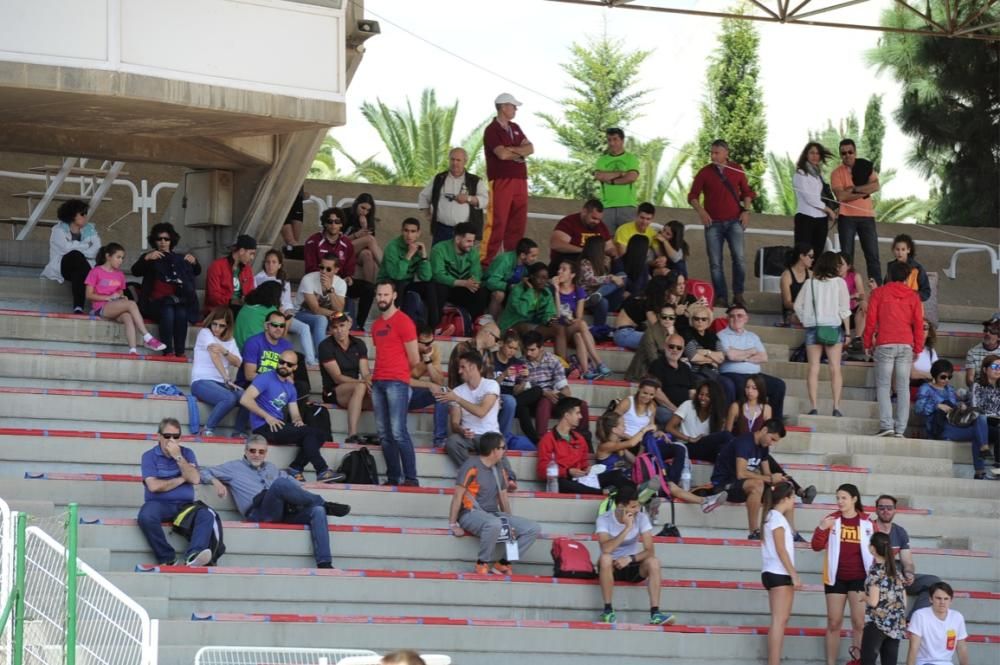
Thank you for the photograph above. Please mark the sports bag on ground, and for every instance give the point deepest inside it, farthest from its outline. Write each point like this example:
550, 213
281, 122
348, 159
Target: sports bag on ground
359, 468
571, 559
183, 525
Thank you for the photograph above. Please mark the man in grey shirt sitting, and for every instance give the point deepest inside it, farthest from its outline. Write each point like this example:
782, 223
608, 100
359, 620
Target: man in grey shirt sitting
264, 493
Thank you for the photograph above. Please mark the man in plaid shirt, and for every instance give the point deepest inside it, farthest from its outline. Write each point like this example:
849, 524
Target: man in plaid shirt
548, 383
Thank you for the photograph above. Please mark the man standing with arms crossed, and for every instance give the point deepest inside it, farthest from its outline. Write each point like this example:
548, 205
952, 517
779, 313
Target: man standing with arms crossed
857, 214
617, 172
395, 339
724, 214
506, 147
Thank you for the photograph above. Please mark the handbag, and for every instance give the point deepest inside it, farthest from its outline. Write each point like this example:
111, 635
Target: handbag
825, 335
962, 415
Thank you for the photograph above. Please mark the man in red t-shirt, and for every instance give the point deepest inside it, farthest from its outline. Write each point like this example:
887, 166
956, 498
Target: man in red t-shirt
395, 338
572, 232
724, 213
506, 148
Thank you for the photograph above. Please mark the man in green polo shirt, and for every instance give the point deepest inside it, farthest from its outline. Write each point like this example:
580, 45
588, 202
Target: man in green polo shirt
617, 172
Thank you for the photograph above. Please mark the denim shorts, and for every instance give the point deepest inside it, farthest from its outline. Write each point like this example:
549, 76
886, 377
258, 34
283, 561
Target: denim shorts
811, 336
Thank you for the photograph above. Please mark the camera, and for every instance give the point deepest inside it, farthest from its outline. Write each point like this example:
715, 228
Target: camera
450, 197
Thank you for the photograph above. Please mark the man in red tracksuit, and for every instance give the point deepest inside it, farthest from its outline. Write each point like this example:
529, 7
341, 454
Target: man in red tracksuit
564, 444
506, 147
230, 279
895, 329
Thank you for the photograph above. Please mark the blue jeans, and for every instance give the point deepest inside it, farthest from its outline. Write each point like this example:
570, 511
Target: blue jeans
153, 514
221, 398
423, 397
317, 327
730, 232
611, 299
505, 419
977, 433
390, 400
310, 344
867, 232
286, 502
627, 338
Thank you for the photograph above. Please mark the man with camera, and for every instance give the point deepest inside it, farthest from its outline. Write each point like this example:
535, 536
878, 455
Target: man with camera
453, 197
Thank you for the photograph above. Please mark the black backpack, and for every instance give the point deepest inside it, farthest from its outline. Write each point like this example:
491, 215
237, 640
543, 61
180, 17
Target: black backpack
359, 468
183, 525
315, 416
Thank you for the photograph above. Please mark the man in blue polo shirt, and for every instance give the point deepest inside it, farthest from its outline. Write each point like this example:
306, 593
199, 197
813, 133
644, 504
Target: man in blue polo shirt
169, 475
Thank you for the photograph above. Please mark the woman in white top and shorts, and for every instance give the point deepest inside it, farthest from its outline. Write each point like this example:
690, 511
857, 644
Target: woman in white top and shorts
778, 574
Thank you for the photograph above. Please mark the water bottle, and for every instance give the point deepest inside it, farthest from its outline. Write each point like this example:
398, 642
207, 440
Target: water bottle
686, 475
552, 476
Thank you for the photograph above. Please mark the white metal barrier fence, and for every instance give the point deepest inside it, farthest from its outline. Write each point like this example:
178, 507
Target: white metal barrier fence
274, 656
111, 628
6, 576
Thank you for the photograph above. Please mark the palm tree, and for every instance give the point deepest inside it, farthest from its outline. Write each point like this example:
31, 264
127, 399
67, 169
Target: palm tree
661, 185
324, 166
417, 143
780, 171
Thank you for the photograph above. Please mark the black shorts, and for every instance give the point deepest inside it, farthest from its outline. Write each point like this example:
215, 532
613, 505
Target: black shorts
772, 580
630, 573
735, 491
843, 586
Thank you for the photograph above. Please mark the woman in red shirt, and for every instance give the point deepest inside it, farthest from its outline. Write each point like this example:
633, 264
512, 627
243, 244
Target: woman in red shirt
844, 535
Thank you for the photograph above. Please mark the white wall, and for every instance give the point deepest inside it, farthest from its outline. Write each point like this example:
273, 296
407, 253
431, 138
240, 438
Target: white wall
270, 46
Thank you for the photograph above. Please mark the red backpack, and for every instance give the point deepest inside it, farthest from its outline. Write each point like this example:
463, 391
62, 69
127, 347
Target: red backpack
571, 559
453, 322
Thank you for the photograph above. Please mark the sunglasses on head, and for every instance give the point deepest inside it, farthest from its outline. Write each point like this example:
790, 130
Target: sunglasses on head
170, 435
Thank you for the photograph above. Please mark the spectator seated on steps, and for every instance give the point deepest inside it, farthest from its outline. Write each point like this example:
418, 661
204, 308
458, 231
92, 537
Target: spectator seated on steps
941, 409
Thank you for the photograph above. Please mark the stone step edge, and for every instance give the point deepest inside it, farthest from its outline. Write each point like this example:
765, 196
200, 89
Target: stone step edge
429, 531
468, 576
521, 623
339, 445
440, 491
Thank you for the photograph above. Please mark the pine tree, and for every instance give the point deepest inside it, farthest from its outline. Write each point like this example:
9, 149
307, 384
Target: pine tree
872, 137
951, 107
603, 77
733, 108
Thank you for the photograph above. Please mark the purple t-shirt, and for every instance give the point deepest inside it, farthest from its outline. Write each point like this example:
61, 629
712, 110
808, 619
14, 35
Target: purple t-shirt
274, 396
568, 301
259, 351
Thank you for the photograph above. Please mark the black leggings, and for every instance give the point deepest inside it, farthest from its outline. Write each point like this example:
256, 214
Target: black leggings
472, 303
308, 439
74, 268
877, 645
365, 293
812, 231
610, 478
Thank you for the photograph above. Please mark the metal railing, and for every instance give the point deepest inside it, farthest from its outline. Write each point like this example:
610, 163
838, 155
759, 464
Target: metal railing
275, 656
110, 628
6, 579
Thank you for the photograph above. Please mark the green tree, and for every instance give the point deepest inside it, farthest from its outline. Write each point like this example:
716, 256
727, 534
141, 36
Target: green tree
950, 106
780, 171
603, 76
733, 108
417, 143
324, 166
874, 134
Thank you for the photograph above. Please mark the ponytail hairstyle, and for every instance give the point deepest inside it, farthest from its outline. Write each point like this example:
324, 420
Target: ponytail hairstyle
854, 492
883, 547
607, 422
110, 249
773, 495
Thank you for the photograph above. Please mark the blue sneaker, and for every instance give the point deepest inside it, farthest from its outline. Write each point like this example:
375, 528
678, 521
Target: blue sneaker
661, 618
591, 374
604, 371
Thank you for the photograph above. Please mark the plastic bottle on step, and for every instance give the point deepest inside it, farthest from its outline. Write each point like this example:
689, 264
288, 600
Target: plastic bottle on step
552, 476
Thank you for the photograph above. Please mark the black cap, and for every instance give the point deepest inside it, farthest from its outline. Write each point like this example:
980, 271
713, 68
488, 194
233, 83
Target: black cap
993, 321
736, 306
245, 242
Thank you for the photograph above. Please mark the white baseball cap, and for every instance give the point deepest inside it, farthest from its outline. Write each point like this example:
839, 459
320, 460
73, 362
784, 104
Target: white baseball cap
506, 98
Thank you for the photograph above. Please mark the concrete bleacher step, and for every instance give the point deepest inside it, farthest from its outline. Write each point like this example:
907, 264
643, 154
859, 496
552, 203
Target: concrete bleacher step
435, 549
950, 343
518, 597
572, 513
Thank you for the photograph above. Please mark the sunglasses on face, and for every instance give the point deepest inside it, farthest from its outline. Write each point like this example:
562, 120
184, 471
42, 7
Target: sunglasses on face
885, 507
944, 377
699, 318
287, 363
674, 347
668, 317
170, 435
423, 343
163, 239
994, 366
332, 220
844, 153
328, 269
276, 325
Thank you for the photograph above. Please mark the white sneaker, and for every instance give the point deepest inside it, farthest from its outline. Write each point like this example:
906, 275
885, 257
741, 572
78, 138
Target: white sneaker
714, 501
200, 559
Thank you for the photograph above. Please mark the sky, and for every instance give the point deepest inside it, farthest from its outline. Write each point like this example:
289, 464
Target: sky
472, 50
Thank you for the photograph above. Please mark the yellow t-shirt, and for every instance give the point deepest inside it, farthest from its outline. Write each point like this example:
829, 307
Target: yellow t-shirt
626, 231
